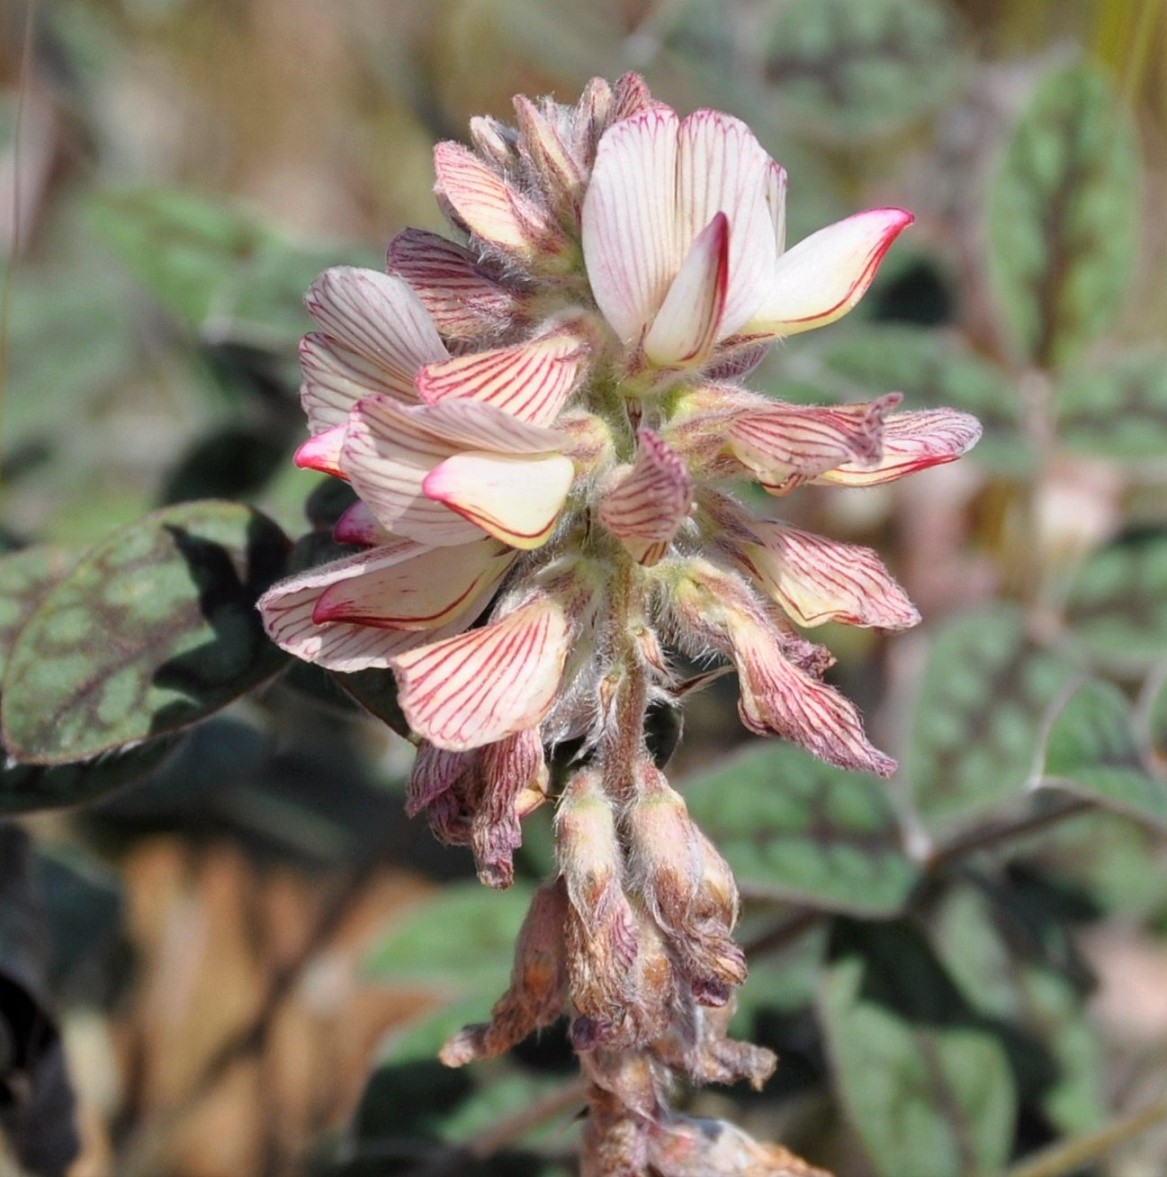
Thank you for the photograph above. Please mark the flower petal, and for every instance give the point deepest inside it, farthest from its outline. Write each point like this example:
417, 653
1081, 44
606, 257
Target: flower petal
487, 684
628, 221
785, 445
358, 525
514, 498
827, 273
651, 501
686, 325
377, 335
721, 167
530, 381
322, 452
818, 580
432, 588
489, 207
474, 425
776, 203
287, 609
911, 442
777, 698
462, 301
388, 451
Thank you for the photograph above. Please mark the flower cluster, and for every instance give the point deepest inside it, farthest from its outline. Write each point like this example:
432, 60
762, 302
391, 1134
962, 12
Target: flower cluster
540, 426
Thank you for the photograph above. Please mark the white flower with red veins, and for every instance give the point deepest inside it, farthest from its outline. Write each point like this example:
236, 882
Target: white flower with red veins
539, 426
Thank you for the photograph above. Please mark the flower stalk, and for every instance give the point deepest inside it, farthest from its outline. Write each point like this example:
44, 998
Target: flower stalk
541, 424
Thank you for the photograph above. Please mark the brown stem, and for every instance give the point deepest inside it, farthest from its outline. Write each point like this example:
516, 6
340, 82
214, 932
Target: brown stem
1071, 1155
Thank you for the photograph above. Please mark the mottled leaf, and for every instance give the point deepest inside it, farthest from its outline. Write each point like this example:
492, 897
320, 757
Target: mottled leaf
976, 734
1119, 411
935, 371
216, 268
25, 577
861, 67
152, 631
1116, 606
998, 962
1093, 752
925, 1084
456, 947
1063, 217
794, 828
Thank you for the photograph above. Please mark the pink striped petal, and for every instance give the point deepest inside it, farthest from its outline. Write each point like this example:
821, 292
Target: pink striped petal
377, 335
358, 525
514, 498
628, 223
487, 684
530, 381
489, 207
777, 698
387, 454
818, 580
474, 425
911, 442
721, 167
287, 609
462, 301
651, 501
687, 323
785, 445
827, 273
323, 452
432, 588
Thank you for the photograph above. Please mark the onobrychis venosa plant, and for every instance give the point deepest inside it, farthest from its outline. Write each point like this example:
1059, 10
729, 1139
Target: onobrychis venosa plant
540, 425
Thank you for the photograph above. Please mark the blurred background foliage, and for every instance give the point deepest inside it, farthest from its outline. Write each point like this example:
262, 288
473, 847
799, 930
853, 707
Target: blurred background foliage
223, 950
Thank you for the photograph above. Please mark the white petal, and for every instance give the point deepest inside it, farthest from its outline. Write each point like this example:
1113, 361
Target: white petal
651, 501
776, 202
628, 222
721, 167
530, 381
377, 317
687, 323
287, 609
826, 274
487, 684
462, 301
358, 525
514, 498
473, 425
433, 588
911, 442
336, 377
816, 579
387, 454
785, 445
489, 207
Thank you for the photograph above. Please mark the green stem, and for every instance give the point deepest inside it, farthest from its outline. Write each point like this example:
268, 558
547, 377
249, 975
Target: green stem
1070, 1155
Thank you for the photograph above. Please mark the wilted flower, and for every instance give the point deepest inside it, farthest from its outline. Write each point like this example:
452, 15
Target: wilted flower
539, 426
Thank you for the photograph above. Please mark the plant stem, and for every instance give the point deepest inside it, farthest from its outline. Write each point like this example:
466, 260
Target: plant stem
1064, 1158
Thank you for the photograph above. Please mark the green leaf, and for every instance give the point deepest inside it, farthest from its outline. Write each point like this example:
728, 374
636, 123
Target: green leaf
856, 68
458, 948
794, 828
1063, 217
976, 734
215, 267
934, 371
1093, 752
1116, 606
926, 1086
155, 629
1119, 411
25, 577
